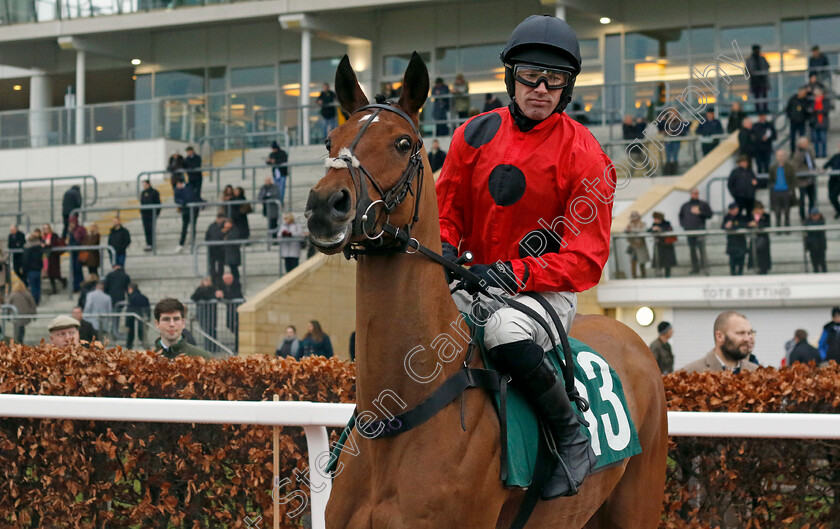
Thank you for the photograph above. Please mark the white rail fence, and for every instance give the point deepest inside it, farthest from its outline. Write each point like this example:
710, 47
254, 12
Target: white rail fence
315, 417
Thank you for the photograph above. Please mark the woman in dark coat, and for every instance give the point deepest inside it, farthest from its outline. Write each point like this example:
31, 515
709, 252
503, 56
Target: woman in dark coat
239, 214
93, 257
316, 342
664, 255
760, 244
52, 240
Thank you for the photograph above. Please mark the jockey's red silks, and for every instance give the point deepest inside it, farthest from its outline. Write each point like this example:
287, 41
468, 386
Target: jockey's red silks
501, 190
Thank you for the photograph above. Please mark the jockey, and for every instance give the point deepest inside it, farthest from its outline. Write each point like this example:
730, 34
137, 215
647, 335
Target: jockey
529, 192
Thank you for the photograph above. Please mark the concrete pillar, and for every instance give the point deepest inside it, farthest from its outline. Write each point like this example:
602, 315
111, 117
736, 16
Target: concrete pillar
361, 58
560, 11
80, 97
305, 75
40, 96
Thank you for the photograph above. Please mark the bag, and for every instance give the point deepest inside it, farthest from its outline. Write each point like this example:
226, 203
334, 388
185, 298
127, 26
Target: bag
671, 239
245, 209
83, 257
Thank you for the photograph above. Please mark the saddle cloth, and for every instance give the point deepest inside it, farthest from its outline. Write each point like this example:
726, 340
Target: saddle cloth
611, 430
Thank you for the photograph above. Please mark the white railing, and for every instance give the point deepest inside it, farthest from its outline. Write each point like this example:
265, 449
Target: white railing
315, 417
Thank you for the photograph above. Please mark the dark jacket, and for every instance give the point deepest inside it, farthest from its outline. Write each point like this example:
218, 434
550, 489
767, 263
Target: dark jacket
765, 135
327, 99
832, 164
182, 347
204, 294
804, 352
815, 240
270, 192
85, 288
691, 221
735, 120
150, 196
214, 233
759, 70
138, 304
116, 283
309, 347
818, 65
33, 257
740, 183
797, 109
736, 243
747, 143
760, 245
633, 131
119, 238
233, 255
664, 254
193, 162
436, 159
232, 291
663, 354
184, 196
830, 342
279, 157
710, 127
87, 332
18, 240
72, 200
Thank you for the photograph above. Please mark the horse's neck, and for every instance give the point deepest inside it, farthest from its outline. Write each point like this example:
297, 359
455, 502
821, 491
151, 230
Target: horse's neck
402, 305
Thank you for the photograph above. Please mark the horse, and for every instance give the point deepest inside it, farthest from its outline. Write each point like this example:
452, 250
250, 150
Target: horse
444, 473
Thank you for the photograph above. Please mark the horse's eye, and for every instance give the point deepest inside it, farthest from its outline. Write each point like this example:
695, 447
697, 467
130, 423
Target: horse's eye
328, 144
404, 144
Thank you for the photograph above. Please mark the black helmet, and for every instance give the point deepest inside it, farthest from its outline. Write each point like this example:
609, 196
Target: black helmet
543, 40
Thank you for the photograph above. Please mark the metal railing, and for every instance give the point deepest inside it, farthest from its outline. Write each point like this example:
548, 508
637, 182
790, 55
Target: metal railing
726, 198
17, 215
205, 318
7, 312
207, 145
52, 180
244, 261
73, 249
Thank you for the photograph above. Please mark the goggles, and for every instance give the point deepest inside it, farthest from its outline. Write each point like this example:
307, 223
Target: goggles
532, 75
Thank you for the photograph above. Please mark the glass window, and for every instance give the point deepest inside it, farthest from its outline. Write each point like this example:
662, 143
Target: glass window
589, 50
824, 31
746, 37
793, 34
142, 86
395, 65
217, 79
255, 76
179, 83
639, 46
703, 41
480, 58
323, 71
446, 61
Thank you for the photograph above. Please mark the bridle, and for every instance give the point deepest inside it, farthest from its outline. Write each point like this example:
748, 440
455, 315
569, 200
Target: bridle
389, 200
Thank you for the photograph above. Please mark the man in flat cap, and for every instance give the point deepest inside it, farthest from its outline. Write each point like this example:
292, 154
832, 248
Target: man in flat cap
661, 349
64, 331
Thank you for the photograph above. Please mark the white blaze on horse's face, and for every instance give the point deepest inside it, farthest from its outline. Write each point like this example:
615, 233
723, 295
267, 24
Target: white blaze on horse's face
367, 117
340, 162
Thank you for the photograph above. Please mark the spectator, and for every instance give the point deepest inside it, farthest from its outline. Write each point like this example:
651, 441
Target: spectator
86, 331
25, 303
803, 351
16, 241
327, 101
64, 331
148, 197
137, 304
633, 129
33, 263
491, 102
781, 183
760, 247
290, 249
5, 276
805, 164
765, 135
231, 293
661, 349
227, 195
194, 178
216, 253
53, 257
742, 184
233, 257
734, 343
693, 216
120, 239
72, 200
664, 256
830, 339
436, 157
707, 130
759, 74
175, 167
170, 320
798, 115
672, 144
461, 96
184, 196
814, 84
289, 345
736, 244
239, 213
76, 234
91, 258
636, 246
277, 159
116, 284
87, 287
316, 342
736, 117
271, 210
833, 166
747, 141
818, 64
440, 107
815, 241
819, 110
205, 309
97, 302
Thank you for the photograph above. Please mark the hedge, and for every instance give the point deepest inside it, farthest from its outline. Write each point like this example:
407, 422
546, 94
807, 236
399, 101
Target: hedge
86, 474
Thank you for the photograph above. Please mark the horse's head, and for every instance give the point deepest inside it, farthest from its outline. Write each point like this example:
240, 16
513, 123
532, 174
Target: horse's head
375, 161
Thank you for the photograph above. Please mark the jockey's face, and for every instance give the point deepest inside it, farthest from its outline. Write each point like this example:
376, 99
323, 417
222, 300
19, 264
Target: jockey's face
538, 102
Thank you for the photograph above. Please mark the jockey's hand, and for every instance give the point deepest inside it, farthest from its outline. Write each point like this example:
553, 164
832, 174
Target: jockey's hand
451, 253
498, 275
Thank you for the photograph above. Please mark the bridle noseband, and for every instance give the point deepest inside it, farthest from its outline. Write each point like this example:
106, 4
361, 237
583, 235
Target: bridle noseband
389, 200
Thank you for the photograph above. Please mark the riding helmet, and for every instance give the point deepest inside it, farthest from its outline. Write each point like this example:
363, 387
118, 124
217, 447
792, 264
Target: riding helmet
543, 40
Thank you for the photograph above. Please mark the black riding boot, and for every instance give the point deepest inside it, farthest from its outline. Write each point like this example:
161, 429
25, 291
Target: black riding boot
533, 374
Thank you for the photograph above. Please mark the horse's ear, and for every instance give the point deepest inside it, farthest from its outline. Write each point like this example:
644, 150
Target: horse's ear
347, 87
415, 86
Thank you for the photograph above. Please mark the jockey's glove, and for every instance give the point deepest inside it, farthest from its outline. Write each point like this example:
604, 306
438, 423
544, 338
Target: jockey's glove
499, 274
451, 253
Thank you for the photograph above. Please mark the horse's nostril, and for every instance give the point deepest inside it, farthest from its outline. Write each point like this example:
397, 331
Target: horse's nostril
340, 202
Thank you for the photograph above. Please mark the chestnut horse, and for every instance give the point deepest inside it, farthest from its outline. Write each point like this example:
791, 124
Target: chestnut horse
438, 475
